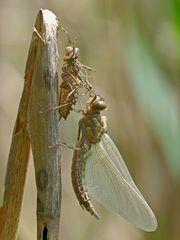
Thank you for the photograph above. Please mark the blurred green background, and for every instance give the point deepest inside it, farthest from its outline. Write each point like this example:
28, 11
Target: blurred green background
134, 47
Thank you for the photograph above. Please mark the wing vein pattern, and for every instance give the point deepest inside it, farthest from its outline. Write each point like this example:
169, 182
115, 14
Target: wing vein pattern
109, 182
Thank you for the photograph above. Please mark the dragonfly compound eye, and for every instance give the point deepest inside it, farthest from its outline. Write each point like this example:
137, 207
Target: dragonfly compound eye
69, 52
99, 105
76, 52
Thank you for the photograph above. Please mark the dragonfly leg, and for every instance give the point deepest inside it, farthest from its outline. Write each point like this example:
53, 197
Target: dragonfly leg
88, 68
62, 144
82, 132
57, 107
79, 133
74, 90
84, 145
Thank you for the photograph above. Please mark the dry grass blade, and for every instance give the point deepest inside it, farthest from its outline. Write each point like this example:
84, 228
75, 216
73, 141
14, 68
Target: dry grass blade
18, 158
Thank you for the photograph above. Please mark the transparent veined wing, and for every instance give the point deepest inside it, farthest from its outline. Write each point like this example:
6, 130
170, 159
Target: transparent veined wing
109, 182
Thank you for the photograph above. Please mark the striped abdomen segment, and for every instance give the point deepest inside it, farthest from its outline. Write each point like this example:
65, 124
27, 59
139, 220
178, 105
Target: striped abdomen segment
78, 182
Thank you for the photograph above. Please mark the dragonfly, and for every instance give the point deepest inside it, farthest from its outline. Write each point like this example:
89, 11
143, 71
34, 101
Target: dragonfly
74, 76
99, 172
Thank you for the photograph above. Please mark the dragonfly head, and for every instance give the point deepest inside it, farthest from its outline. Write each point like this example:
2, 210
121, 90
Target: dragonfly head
96, 105
71, 53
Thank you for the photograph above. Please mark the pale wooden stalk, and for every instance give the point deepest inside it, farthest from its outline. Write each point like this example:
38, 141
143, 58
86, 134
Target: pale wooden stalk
43, 127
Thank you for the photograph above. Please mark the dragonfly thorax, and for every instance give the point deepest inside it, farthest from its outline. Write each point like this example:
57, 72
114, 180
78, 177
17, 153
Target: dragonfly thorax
92, 122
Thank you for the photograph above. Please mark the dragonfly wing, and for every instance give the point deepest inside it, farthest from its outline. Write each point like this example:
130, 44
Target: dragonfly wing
109, 182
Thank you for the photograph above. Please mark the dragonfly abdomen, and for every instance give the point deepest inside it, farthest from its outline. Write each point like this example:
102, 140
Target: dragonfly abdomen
68, 87
78, 182
73, 78
68, 97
